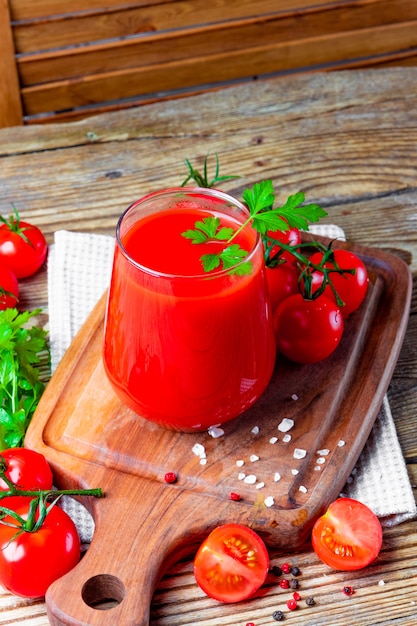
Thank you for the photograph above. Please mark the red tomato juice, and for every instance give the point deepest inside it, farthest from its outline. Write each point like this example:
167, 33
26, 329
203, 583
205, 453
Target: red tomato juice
184, 348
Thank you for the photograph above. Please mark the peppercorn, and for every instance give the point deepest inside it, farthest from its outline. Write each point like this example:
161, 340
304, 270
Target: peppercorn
278, 616
284, 584
348, 591
295, 571
310, 601
170, 477
276, 570
294, 584
292, 605
235, 496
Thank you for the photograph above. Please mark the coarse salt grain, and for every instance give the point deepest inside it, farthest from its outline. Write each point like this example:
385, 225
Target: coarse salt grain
277, 477
273, 440
381, 583
260, 485
240, 463
299, 453
302, 489
294, 472
241, 476
255, 430
215, 432
317, 468
286, 424
286, 438
323, 452
203, 461
250, 479
199, 450
269, 501
321, 460
253, 458
294, 396
341, 443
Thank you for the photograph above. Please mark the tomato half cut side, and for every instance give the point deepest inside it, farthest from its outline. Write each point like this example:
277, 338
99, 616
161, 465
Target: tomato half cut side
232, 563
348, 536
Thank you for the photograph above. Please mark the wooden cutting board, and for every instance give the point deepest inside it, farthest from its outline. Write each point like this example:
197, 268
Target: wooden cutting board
143, 523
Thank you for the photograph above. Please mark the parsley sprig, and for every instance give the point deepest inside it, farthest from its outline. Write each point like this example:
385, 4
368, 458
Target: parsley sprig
20, 384
263, 216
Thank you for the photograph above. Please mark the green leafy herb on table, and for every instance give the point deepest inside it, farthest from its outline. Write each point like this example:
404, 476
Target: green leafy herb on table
20, 385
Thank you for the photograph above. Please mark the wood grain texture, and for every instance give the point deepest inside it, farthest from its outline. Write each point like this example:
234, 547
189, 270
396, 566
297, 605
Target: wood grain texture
10, 101
93, 57
349, 140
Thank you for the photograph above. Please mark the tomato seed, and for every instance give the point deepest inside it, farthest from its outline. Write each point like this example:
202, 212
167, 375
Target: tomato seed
292, 605
235, 496
284, 584
278, 616
286, 568
170, 477
348, 591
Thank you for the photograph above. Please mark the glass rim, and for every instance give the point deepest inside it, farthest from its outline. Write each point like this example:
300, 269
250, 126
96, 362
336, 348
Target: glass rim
181, 190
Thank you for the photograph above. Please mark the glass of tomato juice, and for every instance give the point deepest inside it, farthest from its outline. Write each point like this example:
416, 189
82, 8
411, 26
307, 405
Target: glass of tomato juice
185, 348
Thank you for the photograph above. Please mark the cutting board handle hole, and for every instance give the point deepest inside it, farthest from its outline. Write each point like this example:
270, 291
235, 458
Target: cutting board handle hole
103, 592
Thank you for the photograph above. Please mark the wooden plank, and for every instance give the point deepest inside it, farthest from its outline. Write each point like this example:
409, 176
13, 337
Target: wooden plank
10, 102
197, 42
71, 29
191, 72
27, 9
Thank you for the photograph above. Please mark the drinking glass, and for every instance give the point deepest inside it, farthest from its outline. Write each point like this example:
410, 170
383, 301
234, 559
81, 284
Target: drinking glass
186, 348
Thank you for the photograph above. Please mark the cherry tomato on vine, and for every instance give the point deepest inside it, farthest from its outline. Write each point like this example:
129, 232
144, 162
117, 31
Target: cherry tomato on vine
348, 536
30, 561
351, 288
290, 237
282, 281
307, 331
232, 563
9, 288
25, 468
23, 247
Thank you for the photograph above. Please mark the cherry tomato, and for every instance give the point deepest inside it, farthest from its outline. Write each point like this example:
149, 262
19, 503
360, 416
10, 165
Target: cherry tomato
307, 331
282, 281
22, 246
348, 536
351, 288
8, 285
31, 561
232, 563
291, 237
27, 469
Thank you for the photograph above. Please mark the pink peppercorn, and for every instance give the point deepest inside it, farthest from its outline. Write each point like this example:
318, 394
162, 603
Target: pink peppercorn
284, 584
170, 477
292, 605
235, 496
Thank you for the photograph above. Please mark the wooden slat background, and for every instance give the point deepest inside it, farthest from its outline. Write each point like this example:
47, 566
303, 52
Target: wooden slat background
74, 59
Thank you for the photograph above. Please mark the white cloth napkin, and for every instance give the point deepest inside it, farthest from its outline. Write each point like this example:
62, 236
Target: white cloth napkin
79, 268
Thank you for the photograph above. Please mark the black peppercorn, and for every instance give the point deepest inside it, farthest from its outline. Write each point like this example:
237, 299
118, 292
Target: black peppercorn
278, 616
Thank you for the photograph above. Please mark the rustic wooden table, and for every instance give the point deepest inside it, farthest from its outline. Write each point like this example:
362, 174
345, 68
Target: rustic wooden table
349, 140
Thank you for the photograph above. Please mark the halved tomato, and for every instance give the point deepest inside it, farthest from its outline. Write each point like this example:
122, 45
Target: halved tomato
232, 563
348, 536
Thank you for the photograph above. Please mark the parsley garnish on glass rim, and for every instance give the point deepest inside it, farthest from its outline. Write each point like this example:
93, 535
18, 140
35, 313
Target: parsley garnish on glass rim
20, 384
263, 217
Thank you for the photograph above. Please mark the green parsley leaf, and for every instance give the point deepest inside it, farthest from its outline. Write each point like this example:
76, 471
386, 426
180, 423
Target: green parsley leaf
20, 384
208, 229
227, 259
